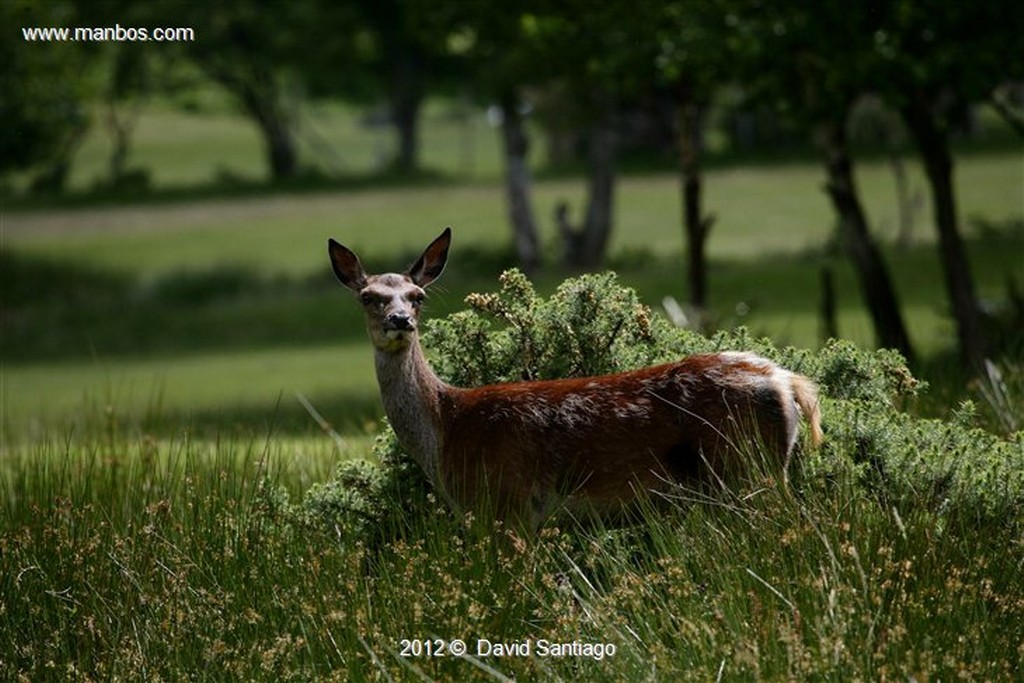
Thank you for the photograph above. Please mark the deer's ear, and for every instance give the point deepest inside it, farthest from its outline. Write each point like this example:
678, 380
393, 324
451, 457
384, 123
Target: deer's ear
430, 265
347, 267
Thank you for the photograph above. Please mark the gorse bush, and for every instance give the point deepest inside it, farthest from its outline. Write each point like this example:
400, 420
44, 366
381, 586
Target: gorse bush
949, 465
592, 325
589, 326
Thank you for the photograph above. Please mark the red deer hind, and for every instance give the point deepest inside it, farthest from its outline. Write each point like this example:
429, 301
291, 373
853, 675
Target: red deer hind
587, 445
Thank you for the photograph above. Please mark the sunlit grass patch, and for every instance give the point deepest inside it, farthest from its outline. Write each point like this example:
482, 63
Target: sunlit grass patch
255, 389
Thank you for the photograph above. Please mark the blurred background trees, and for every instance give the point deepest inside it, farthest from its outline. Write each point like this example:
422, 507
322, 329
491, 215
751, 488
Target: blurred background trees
603, 84
44, 96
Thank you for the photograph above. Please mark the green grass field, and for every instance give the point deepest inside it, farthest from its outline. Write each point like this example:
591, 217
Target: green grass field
775, 210
166, 501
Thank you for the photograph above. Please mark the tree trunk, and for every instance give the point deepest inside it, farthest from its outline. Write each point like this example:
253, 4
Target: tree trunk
829, 325
598, 223
905, 201
933, 145
517, 186
696, 227
128, 79
571, 236
280, 147
262, 99
406, 98
121, 126
875, 283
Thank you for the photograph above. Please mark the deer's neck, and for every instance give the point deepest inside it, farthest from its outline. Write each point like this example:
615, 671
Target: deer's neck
411, 394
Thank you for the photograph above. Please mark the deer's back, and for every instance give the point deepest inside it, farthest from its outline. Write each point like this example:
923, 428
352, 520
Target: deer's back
602, 436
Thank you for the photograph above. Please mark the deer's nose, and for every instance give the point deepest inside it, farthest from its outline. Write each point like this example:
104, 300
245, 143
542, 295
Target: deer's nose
399, 321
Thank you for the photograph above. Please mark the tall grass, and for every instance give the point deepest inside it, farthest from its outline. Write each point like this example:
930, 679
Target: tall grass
127, 559
126, 556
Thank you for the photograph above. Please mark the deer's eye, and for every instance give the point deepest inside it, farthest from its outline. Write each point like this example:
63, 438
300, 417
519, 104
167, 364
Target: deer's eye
368, 299
416, 300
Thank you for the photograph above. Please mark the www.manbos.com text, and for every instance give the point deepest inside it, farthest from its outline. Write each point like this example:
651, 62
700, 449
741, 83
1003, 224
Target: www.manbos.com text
103, 34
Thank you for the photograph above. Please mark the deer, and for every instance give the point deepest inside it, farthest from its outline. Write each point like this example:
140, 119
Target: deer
590, 446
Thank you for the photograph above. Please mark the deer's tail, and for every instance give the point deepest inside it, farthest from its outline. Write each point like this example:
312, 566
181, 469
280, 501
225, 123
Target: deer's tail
805, 393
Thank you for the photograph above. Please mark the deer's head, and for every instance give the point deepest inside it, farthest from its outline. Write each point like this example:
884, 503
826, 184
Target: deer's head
391, 301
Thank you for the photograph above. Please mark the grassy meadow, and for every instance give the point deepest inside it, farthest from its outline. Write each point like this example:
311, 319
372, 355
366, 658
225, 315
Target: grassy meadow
128, 559
157, 467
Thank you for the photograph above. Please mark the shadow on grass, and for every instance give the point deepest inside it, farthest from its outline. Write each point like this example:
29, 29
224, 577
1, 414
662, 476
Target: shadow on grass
344, 414
226, 187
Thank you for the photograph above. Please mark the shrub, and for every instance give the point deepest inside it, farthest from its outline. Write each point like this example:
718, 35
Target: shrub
370, 502
592, 325
589, 326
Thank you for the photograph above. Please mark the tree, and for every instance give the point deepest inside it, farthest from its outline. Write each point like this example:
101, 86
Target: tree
246, 47
128, 72
409, 41
266, 54
127, 78
518, 190
815, 60
590, 60
692, 64
873, 274
404, 50
1008, 100
936, 59
581, 52
44, 89
590, 118
498, 44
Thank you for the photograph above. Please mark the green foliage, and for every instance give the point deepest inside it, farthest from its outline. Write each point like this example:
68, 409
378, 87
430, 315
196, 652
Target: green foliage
43, 87
348, 504
846, 372
589, 326
948, 465
370, 503
592, 325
